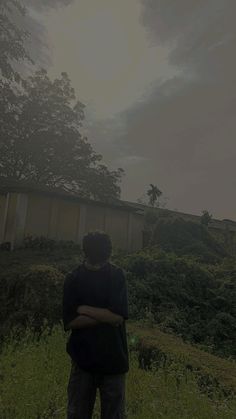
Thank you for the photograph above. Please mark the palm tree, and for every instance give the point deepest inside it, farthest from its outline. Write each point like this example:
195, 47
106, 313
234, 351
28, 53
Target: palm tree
153, 193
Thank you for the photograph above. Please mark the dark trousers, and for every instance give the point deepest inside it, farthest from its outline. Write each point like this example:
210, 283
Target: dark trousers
82, 388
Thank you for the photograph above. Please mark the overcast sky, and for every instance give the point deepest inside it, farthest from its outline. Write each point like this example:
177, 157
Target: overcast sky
158, 79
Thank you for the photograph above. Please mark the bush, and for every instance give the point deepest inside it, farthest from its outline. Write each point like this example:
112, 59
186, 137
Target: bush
184, 297
187, 238
39, 243
30, 297
6, 246
192, 300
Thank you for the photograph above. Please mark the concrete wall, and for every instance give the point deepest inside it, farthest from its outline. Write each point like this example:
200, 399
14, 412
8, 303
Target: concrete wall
61, 219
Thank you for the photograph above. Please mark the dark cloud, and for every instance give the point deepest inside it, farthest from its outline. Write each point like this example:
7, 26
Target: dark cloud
187, 128
182, 136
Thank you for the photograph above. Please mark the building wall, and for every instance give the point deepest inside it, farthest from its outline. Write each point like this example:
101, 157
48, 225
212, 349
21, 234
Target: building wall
116, 225
62, 219
3, 200
137, 231
65, 220
57, 219
111, 220
9, 228
95, 218
36, 215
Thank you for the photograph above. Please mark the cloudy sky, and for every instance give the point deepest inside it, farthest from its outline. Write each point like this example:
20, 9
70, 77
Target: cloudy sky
158, 78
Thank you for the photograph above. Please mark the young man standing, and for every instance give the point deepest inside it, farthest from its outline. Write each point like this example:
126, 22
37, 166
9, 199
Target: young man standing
95, 309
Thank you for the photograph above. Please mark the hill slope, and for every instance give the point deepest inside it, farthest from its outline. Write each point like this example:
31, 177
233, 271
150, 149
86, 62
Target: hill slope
154, 345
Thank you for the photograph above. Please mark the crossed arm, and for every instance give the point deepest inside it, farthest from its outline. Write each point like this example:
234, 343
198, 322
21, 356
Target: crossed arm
89, 316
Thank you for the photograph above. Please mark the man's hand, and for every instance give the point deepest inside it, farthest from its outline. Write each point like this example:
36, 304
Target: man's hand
83, 310
82, 322
100, 314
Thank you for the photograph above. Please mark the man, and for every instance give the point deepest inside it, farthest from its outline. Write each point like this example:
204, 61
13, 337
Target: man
95, 309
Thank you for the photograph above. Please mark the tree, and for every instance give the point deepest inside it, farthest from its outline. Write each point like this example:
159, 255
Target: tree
12, 38
13, 35
40, 120
206, 218
41, 141
154, 194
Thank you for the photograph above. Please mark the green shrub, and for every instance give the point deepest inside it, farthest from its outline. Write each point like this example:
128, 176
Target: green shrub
187, 238
41, 242
30, 297
185, 298
193, 300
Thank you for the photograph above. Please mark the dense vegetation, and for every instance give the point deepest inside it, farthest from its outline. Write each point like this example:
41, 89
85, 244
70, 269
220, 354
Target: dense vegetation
191, 300
183, 296
183, 237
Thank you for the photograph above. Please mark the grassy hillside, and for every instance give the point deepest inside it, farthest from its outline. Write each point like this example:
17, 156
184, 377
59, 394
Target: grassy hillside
183, 237
34, 376
161, 349
176, 380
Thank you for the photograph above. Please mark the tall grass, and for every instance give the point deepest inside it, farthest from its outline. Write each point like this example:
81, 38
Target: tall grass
34, 375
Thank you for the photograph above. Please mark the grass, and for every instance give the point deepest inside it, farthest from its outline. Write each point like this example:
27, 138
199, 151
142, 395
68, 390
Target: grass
172, 349
34, 375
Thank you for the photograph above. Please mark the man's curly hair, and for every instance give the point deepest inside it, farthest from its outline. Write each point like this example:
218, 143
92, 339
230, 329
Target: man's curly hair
97, 247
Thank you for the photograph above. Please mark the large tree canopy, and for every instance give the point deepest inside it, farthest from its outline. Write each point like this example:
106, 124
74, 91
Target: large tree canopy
40, 120
41, 141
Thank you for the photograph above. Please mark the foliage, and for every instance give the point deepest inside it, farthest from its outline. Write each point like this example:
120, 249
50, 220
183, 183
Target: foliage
206, 218
30, 297
153, 198
37, 269
41, 367
62, 257
159, 349
192, 300
12, 38
14, 18
40, 119
42, 242
41, 139
185, 298
184, 238
153, 194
